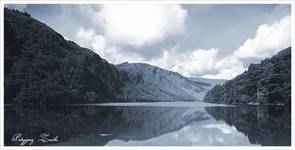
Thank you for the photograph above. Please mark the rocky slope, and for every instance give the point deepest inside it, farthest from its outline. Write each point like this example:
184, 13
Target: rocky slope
42, 67
144, 82
266, 83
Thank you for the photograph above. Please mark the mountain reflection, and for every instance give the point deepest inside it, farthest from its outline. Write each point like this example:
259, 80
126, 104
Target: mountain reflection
141, 125
90, 125
265, 125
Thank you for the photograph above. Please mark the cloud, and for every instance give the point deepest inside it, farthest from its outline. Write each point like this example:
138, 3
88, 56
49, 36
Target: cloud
98, 43
194, 62
122, 33
86, 37
123, 27
139, 24
224, 74
20, 7
269, 40
208, 63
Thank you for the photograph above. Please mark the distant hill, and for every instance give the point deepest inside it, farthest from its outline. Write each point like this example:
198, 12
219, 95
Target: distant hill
144, 82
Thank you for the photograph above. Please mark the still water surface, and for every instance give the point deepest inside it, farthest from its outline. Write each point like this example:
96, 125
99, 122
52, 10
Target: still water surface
147, 124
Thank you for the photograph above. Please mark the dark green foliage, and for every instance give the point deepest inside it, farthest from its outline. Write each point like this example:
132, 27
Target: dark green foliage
266, 83
42, 67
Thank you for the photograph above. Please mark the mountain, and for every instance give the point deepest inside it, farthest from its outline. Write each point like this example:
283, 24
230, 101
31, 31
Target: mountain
40, 66
144, 82
268, 82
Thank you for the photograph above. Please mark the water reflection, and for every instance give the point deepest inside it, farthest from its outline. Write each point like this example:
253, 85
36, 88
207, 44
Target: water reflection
200, 133
265, 125
90, 125
140, 125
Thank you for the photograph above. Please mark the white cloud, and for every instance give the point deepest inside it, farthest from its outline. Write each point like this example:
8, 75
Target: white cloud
90, 39
200, 62
85, 37
130, 24
116, 55
197, 61
225, 73
269, 40
98, 43
139, 24
227, 68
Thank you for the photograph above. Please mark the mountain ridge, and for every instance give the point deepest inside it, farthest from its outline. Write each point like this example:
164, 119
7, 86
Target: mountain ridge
42, 67
146, 82
268, 82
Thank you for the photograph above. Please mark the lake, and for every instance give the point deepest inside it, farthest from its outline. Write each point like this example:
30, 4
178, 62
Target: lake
147, 124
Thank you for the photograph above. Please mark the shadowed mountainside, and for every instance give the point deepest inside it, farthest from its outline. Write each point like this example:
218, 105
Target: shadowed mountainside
41, 66
266, 83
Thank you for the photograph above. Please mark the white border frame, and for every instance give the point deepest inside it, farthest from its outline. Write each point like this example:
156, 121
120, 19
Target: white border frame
2, 2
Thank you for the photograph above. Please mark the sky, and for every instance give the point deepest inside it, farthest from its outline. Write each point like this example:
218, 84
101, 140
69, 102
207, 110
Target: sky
195, 40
